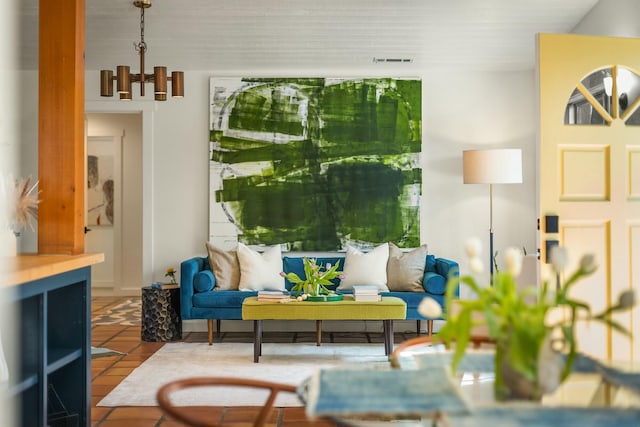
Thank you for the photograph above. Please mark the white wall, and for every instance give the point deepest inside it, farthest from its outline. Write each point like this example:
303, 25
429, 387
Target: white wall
462, 109
467, 109
26, 148
9, 137
174, 154
615, 18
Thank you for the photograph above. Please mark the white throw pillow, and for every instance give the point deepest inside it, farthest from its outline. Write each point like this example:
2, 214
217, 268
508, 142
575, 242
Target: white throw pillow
260, 271
365, 268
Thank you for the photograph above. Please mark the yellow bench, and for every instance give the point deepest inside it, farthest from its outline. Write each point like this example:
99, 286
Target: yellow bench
387, 310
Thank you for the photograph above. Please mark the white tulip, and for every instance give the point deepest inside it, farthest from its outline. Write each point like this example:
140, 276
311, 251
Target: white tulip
430, 308
588, 263
476, 265
559, 258
473, 247
627, 299
513, 260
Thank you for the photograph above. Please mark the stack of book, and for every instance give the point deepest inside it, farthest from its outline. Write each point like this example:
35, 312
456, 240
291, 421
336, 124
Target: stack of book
273, 295
366, 293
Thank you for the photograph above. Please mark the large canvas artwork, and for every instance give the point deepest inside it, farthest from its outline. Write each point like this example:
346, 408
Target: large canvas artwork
315, 163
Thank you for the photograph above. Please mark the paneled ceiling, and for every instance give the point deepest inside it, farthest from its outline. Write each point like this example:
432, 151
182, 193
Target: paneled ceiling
236, 35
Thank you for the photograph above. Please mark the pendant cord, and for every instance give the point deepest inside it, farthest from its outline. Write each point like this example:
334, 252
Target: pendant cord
142, 46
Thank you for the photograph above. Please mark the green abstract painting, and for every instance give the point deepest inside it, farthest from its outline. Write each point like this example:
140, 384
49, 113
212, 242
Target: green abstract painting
315, 163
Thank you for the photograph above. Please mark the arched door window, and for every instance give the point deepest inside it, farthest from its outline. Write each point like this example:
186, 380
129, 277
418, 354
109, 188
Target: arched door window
593, 101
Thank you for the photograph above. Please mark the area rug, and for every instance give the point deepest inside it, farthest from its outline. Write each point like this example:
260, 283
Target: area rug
127, 313
285, 363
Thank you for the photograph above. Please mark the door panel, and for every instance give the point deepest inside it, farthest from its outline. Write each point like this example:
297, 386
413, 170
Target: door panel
589, 172
103, 198
592, 236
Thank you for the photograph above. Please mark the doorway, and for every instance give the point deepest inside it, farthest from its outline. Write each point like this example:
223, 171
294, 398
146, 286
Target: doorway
114, 201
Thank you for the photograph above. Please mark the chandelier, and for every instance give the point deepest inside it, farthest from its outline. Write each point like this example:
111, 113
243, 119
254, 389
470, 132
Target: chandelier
124, 78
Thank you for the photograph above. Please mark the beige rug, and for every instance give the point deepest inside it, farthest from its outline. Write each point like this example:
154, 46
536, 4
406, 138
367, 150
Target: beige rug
286, 363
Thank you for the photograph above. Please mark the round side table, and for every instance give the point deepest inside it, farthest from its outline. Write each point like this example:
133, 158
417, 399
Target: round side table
161, 314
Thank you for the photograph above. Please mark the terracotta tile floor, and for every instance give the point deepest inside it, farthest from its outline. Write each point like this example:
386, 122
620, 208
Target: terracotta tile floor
107, 372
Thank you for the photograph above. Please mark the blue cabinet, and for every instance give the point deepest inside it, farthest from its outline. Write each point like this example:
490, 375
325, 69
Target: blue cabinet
50, 373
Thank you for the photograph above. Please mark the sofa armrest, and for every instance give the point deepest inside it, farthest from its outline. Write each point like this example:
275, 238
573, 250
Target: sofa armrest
437, 275
188, 270
434, 283
447, 268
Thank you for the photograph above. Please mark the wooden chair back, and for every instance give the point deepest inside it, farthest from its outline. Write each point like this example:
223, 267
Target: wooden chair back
412, 343
180, 414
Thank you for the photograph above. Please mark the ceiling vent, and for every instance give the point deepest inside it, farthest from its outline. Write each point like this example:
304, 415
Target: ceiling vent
395, 60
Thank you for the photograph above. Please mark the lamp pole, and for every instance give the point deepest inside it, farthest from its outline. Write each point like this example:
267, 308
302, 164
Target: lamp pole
491, 233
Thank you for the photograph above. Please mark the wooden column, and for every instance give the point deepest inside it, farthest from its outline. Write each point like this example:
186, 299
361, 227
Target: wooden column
61, 149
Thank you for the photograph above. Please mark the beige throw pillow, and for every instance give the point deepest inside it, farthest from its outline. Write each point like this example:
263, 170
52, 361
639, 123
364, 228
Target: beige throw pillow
260, 271
405, 270
365, 268
225, 267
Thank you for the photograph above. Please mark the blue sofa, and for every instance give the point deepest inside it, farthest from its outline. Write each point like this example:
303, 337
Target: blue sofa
199, 298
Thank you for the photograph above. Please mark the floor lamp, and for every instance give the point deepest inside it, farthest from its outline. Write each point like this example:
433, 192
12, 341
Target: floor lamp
493, 166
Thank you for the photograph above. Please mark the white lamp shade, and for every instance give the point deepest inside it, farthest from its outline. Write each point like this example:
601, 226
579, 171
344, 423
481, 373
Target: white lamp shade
494, 166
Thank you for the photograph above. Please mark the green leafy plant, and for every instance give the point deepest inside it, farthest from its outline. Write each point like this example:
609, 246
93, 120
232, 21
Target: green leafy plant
317, 278
532, 329
171, 274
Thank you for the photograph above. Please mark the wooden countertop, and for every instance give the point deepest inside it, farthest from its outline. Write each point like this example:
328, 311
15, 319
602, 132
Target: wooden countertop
26, 267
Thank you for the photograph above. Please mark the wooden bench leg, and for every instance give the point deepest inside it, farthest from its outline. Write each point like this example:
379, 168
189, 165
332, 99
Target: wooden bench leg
429, 327
387, 326
257, 340
318, 332
417, 327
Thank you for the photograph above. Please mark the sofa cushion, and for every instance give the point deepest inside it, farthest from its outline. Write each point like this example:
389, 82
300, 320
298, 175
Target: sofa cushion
405, 270
431, 263
204, 281
220, 299
365, 268
413, 300
260, 271
225, 267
